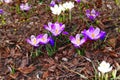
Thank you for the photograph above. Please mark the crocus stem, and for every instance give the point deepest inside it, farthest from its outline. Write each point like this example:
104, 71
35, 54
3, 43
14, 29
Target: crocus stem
63, 16
78, 51
102, 75
36, 52
70, 15
57, 18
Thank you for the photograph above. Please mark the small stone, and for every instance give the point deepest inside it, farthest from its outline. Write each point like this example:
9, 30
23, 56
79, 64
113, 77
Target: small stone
64, 59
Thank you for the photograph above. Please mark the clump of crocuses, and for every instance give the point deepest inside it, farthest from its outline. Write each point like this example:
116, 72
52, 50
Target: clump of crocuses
55, 28
92, 14
104, 68
94, 33
25, 7
40, 39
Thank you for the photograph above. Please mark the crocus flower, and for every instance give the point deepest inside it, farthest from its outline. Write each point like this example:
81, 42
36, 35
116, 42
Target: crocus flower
43, 38
7, 1
34, 40
55, 28
77, 1
56, 9
68, 5
1, 11
24, 7
92, 14
93, 33
77, 41
52, 3
104, 67
51, 41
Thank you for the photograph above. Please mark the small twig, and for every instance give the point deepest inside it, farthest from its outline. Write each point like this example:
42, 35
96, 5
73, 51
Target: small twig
82, 76
61, 48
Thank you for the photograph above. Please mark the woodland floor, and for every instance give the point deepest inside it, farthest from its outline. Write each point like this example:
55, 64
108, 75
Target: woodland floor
66, 64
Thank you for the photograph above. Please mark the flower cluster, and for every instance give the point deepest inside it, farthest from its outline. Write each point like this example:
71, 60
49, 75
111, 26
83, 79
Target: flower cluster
57, 9
91, 33
55, 28
92, 14
24, 7
104, 67
40, 39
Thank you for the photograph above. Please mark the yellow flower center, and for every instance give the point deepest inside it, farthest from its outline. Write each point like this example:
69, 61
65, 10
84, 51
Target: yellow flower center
93, 35
92, 14
56, 31
34, 41
43, 39
77, 41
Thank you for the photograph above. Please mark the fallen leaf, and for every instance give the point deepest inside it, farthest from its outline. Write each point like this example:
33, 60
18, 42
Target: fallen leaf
27, 70
112, 42
15, 75
45, 74
52, 68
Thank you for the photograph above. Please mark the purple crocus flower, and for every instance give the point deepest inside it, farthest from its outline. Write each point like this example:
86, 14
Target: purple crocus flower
51, 41
92, 14
52, 3
77, 1
43, 38
1, 11
25, 7
55, 28
94, 34
34, 40
77, 41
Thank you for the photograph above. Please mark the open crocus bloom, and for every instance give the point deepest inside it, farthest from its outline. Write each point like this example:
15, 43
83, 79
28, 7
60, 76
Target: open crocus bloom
93, 33
56, 9
43, 38
92, 14
55, 28
68, 5
77, 41
34, 40
24, 7
104, 67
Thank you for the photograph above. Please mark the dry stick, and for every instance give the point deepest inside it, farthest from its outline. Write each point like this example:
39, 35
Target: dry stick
61, 48
82, 76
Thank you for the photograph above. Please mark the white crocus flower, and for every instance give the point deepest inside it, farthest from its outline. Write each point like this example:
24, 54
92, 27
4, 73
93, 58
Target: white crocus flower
61, 7
56, 10
68, 5
104, 67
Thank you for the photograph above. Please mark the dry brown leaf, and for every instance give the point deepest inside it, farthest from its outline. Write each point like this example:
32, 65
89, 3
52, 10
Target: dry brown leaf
112, 42
27, 70
52, 68
45, 74
14, 76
